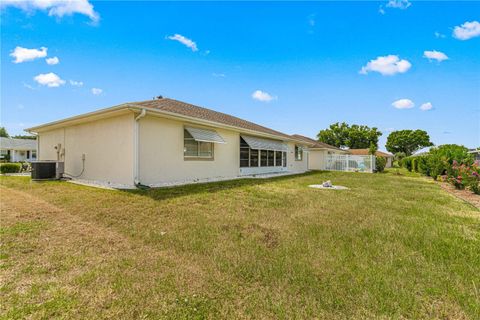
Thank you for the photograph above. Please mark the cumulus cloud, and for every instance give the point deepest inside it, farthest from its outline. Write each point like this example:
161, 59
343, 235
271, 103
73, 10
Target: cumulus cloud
49, 80
467, 30
97, 91
57, 8
52, 61
263, 96
185, 41
426, 106
438, 35
24, 54
435, 55
403, 104
76, 83
387, 65
398, 4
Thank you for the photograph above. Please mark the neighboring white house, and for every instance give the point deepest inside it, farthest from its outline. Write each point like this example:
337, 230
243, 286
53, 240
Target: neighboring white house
319, 153
166, 142
18, 149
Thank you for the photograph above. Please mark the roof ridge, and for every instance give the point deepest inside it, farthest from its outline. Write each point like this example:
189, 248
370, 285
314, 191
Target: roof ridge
207, 115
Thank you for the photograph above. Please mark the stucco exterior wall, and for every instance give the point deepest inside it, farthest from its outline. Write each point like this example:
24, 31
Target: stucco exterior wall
161, 160
316, 159
107, 144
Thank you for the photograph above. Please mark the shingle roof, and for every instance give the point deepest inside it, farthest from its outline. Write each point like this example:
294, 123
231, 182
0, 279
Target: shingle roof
365, 152
190, 110
315, 143
18, 144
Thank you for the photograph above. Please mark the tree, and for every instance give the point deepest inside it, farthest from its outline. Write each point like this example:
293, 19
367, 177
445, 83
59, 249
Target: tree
407, 141
19, 136
3, 132
343, 135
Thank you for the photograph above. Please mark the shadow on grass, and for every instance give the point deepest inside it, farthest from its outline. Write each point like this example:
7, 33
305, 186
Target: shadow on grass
164, 193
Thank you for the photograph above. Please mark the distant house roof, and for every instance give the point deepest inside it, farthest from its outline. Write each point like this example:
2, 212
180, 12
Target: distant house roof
365, 152
315, 143
477, 151
17, 144
187, 109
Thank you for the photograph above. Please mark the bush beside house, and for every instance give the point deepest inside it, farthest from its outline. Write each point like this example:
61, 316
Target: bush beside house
10, 167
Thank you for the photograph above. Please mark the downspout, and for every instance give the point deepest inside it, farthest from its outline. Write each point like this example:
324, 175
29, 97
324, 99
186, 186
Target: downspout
136, 139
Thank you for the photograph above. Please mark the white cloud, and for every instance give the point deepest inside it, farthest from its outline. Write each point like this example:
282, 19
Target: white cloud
467, 30
438, 35
76, 83
97, 91
435, 55
185, 41
52, 61
387, 65
23, 54
49, 80
26, 85
263, 96
426, 106
381, 10
57, 8
219, 75
403, 104
399, 4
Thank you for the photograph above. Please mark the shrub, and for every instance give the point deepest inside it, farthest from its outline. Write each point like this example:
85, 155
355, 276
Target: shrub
406, 163
380, 163
10, 167
465, 176
422, 165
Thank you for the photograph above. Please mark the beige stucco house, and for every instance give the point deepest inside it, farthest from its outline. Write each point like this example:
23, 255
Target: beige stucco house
318, 152
166, 142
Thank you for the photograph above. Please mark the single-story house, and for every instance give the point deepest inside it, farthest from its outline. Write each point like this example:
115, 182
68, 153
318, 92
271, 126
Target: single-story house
165, 142
475, 153
365, 152
318, 152
17, 150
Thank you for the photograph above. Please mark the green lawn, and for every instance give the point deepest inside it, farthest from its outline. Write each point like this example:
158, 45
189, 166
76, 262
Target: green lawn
390, 247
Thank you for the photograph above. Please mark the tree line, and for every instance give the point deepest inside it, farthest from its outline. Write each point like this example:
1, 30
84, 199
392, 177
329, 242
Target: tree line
343, 135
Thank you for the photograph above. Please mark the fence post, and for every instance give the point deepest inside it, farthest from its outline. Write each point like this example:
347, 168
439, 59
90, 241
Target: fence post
372, 162
348, 164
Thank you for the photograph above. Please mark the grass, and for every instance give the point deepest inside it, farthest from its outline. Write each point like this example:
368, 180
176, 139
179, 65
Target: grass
390, 247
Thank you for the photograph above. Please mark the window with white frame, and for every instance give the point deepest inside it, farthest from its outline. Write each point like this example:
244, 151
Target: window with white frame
260, 158
196, 149
298, 153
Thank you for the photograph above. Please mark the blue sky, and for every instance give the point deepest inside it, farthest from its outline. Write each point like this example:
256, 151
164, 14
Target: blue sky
295, 67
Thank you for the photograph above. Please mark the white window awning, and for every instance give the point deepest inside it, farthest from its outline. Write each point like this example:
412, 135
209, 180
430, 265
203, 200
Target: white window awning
205, 135
264, 144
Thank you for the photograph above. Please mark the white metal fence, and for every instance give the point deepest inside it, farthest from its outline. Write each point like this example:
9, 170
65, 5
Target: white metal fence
337, 162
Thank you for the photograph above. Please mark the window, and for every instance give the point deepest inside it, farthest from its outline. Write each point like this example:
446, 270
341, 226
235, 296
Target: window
196, 149
298, 153
271, 159
259, 157
263, 158
34, 154
254, 158
278, 158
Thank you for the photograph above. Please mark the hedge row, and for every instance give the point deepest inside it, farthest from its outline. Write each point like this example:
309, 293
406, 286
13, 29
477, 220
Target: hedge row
450, 163
10, 167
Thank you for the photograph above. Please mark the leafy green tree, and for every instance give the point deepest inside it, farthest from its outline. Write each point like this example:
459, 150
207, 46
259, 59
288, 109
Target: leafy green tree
3, 132
407, 141
19, 136
355, 136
